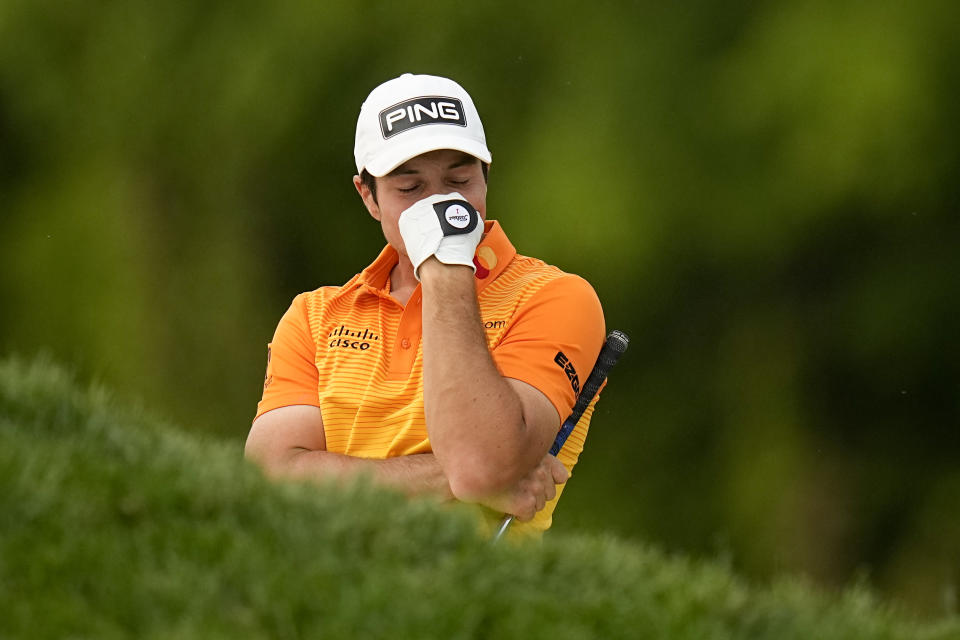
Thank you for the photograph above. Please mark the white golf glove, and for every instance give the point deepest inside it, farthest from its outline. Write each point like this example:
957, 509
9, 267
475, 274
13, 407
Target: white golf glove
442, 225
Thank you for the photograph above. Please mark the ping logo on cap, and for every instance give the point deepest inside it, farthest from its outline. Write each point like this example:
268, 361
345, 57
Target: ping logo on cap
420, 111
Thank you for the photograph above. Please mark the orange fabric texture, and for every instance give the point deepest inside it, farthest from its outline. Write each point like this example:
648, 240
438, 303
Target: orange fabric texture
355, 352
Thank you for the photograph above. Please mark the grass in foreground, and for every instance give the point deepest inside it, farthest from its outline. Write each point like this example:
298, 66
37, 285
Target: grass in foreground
115, 525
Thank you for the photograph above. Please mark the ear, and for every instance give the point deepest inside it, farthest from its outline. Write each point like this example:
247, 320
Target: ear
368, 201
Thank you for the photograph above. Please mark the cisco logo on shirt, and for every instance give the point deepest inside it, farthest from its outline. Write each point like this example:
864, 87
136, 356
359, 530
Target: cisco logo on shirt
420, 111
358, 340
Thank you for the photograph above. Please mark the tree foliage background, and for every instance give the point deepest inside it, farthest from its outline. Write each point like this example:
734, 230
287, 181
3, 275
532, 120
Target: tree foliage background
764, 195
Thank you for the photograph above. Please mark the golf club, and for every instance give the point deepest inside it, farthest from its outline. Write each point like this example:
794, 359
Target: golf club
613, 348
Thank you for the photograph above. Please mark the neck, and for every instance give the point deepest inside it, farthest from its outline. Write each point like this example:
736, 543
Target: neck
402, 281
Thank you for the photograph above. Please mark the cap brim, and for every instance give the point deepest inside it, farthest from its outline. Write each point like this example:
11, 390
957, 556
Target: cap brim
391, 158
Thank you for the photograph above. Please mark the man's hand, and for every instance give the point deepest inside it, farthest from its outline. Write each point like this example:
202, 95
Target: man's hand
442, 225
532, 492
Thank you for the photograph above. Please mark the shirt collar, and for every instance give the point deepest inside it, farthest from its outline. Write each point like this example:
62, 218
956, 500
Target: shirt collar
493, 255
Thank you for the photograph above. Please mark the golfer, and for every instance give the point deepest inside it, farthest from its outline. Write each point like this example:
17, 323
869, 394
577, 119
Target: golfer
447, 365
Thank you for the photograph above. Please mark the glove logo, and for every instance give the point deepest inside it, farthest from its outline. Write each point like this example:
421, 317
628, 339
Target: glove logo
457, 216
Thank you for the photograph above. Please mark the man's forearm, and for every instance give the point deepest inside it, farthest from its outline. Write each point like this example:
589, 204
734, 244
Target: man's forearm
474, 418
419, 474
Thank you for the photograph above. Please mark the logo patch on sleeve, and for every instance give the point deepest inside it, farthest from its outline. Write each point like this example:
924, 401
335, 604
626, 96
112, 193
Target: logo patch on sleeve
268, 376
564, 363
420, 111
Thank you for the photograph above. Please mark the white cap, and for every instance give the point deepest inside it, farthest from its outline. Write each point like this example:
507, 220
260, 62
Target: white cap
414, 114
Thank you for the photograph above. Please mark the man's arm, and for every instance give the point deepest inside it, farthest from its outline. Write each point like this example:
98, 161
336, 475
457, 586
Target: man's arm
490, 434
289, 442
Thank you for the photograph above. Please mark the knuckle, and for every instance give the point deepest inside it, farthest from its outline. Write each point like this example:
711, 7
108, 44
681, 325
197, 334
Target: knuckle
531, 508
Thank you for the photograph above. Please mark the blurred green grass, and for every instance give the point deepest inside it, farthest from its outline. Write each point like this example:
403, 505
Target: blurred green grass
116, 525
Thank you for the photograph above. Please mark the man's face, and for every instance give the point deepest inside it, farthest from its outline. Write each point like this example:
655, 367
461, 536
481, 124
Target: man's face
442, 171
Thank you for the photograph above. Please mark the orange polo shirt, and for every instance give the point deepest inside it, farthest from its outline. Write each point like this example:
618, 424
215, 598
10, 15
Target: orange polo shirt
355, 352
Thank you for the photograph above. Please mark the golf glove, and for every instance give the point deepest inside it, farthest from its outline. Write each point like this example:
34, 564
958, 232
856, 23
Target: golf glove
442, 225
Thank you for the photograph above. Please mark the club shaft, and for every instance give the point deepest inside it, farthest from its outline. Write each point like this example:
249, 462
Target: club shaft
613, 348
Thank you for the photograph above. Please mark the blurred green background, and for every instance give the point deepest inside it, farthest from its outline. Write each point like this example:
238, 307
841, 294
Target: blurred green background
764, 196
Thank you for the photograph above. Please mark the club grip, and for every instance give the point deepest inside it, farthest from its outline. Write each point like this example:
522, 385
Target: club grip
614, 346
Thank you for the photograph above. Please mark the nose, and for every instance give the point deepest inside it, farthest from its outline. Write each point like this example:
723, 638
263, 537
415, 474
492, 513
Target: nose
437, 187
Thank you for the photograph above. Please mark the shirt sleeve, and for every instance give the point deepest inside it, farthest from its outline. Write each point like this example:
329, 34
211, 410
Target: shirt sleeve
554, 340
292, 376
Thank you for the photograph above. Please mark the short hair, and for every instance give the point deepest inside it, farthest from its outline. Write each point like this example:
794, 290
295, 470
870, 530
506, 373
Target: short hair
371, 182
